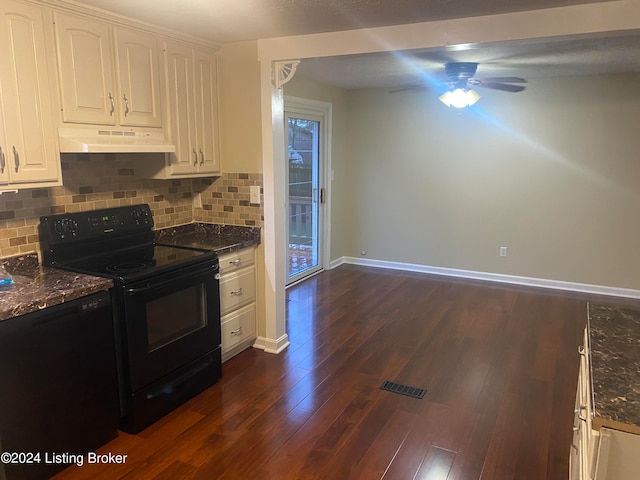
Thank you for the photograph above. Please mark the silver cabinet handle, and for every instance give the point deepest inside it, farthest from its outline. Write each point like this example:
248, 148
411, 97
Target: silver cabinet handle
195, 157
113, 105
126, 105
237, 331
3, 163
579, 410
237, 292
16, 158
235, 262
201, 157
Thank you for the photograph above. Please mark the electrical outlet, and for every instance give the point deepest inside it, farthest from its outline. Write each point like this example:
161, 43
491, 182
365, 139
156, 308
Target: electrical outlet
254, 194
503, 251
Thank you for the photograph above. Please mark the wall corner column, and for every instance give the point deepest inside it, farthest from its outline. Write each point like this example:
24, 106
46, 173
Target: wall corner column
273, 338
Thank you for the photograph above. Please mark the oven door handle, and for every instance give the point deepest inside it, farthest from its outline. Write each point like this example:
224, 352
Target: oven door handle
174, 280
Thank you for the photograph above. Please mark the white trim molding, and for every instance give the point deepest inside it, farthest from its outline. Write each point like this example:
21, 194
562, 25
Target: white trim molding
492, 277
272, 346
283, 71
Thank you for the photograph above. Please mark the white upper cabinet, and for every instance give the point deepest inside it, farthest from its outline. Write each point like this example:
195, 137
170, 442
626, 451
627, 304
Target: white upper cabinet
85, 70
138, 79
181, 110
206, 111
29, 155
103, 85
191, 115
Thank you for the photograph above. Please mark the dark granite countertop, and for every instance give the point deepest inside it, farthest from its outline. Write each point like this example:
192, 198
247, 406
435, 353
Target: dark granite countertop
36, 287
220, 238
614, 337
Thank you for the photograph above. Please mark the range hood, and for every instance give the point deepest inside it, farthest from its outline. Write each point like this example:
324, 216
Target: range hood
113, 140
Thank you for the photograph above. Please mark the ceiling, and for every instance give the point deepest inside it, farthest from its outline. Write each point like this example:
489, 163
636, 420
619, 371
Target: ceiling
224, 21
527, 59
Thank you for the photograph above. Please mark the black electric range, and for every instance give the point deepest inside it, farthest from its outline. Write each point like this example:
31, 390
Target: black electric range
117, 243
165, 299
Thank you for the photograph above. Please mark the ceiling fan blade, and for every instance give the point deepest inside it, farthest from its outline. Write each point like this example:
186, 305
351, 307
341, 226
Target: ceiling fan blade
505, 87
408, 88
502, 79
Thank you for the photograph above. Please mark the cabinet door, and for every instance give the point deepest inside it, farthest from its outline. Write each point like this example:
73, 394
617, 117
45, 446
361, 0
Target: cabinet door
29, 152
179, 71
575, 459
237, 289
139, 79
85, 70
618, 456
206, 112
238, 326
4, 169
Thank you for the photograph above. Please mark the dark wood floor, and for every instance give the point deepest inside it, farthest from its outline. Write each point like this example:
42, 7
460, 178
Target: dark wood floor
499, 363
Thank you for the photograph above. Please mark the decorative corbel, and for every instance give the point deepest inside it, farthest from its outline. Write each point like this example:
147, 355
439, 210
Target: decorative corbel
283, 71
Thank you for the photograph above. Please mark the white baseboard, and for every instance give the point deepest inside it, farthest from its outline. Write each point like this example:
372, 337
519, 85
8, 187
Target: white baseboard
270, 345
492, 277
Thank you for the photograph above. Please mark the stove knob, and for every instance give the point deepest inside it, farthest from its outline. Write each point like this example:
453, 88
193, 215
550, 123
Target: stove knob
72, 227
141, 217
59, 228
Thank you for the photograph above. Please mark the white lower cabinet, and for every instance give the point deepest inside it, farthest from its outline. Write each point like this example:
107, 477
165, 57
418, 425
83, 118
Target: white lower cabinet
618, 456
584, 436
604, 454
237, 301
238, 329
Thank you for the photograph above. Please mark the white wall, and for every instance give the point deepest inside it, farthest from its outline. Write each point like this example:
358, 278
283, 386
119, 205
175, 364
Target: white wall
240, 132
552, 173
240, 126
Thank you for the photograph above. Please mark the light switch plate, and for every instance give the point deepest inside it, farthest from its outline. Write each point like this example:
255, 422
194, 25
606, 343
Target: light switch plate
254, 194
197, 200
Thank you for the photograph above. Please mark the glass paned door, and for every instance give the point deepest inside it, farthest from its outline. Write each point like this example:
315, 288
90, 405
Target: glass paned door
303, 195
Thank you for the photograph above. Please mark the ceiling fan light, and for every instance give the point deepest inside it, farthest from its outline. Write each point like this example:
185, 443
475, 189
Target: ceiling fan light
472, 96
446, 98
459, 98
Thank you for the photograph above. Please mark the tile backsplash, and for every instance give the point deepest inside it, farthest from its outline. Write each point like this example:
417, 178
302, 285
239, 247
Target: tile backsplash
93, 181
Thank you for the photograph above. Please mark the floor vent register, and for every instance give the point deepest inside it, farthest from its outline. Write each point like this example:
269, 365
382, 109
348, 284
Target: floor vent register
407, 390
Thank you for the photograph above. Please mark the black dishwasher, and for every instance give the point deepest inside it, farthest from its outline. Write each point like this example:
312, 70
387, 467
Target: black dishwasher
58, 386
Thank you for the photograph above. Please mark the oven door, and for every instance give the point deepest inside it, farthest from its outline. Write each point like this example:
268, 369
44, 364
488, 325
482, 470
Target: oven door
170, 320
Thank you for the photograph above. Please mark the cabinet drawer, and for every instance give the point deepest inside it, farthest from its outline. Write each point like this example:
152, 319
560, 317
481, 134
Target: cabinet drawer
234, 261
237, 289
238, 326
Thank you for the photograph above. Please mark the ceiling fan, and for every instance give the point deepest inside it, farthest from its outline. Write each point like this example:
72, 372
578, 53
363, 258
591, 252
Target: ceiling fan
461, 75
461, 81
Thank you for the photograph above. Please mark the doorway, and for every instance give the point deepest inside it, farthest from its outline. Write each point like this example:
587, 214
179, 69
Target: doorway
307, 140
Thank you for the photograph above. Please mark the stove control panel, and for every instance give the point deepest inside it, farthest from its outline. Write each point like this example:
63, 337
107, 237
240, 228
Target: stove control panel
95, 224
66, 226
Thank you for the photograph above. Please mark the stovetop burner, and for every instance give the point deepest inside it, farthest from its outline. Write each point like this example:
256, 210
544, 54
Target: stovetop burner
128, 267
134, 263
